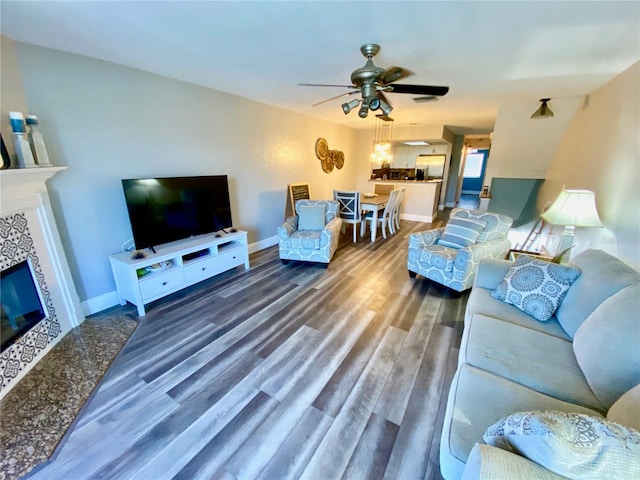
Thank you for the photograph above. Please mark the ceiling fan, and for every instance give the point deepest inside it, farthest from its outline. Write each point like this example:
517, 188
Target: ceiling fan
373, 82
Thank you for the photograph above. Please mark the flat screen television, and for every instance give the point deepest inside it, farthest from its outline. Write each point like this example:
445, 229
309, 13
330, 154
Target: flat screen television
163, 210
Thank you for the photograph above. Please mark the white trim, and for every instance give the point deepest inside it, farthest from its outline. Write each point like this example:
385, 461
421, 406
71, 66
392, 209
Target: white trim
100, 303
417, 218
262, 244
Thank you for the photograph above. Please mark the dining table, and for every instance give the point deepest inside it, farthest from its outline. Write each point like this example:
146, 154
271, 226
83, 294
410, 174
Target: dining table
375, 204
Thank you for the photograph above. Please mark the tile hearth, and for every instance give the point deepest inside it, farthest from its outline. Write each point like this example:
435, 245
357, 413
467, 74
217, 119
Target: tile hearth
46, 401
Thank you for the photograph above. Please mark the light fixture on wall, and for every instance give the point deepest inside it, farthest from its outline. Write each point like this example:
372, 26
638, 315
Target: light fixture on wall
572, 208
383, 133
544, 111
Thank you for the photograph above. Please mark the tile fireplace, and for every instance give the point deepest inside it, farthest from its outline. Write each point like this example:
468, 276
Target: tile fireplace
39, 301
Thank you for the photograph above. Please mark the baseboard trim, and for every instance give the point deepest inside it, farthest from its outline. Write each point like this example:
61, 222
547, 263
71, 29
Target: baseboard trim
111, 299
418, 218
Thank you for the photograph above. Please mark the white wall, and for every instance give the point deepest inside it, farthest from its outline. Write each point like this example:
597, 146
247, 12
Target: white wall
523, 147
107, 122
601, 152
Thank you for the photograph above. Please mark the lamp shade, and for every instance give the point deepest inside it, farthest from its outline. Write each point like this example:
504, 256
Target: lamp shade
575, 208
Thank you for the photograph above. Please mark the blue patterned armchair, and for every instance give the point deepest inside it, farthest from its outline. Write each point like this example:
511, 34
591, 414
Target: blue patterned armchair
310, 243
455, 266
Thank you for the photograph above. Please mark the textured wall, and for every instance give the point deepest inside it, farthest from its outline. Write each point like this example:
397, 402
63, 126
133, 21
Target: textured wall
107, 122
601, 152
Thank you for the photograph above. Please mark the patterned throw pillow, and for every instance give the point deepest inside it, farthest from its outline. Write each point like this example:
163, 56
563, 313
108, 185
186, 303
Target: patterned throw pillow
573, 445
311, 217
536, 287
461, 232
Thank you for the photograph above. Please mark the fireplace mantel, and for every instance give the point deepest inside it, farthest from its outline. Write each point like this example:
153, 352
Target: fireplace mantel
28, 229
21, 187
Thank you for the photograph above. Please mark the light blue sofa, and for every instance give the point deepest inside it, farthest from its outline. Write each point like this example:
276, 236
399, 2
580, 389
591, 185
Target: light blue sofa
456, 268
585, 359
310, 245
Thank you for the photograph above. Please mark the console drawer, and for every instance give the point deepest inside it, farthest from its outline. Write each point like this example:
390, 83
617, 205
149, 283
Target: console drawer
159, 283
201, 269
231, 258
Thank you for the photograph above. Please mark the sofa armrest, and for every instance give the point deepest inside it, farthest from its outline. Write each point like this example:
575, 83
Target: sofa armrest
426, 238
491, 463
490, 273
289, 226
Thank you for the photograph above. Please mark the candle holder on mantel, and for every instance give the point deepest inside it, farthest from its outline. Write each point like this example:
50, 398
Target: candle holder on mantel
37, 142
23, 149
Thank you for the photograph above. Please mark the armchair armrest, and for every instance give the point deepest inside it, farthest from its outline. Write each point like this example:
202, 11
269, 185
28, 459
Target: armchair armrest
289, 226
333, 227
426, 238
472, 254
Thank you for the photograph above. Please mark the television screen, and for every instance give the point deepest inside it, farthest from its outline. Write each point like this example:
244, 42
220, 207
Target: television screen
163, 210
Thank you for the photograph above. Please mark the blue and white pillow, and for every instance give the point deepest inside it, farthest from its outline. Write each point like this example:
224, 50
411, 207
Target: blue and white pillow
573, 445
461, 232
536, 287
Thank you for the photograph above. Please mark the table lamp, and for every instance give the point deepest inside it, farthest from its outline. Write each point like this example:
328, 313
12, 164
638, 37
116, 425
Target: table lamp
572, 208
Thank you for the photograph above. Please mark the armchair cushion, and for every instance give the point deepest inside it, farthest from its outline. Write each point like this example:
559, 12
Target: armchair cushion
311, 217
461, 232
535, 286
574, 445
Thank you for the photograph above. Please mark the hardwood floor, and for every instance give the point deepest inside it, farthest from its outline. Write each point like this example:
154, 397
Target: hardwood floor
279, 372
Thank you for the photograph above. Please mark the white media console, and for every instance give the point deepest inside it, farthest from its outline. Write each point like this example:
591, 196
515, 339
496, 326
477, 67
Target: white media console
180, 264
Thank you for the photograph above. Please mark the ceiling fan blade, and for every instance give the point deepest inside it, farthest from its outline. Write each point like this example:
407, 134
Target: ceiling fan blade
393, 74
333, 98
417, 89
386, 118
323, 85
383, 97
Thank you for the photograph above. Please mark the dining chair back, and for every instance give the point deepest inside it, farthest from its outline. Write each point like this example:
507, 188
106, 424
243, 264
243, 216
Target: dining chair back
383, 217
349, 209
383, 188
394, 220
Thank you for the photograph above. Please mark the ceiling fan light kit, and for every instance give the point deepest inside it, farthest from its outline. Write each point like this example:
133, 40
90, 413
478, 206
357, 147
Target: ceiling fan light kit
347, 107
544, 111
372, 82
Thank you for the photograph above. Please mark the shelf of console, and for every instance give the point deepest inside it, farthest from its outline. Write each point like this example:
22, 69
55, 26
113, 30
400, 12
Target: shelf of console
177, 265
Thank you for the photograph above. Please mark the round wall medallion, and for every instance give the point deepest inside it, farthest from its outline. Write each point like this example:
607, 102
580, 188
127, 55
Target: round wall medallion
327, 164
322, 148
338, 159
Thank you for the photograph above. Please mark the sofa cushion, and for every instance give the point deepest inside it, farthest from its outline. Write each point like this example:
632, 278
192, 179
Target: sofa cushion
478, 399
535, 286
602, 276
490, 463
534, 359
574, 445
311, 217
461, 232
607, 346
481, 302
626, 410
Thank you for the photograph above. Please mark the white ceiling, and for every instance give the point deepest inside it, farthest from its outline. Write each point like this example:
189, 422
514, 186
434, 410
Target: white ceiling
491, 54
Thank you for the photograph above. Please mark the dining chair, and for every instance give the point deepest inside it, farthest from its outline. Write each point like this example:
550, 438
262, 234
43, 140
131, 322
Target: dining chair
394, 221
349, 209
383, 188
383, 216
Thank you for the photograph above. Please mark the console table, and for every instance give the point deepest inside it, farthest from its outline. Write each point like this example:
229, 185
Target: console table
180, 265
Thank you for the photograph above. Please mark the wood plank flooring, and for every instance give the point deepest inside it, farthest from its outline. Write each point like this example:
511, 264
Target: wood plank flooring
279, 372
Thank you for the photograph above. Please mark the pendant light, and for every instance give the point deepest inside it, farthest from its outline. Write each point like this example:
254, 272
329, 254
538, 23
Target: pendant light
544, 111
